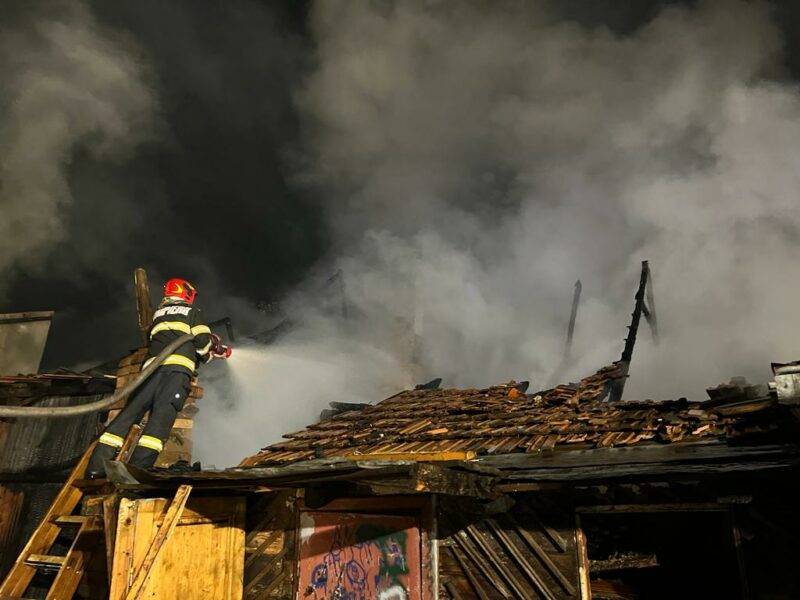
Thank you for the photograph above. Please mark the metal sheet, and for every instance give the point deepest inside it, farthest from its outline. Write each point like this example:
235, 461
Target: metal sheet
359, 557
788, 388
22, 340
45, 449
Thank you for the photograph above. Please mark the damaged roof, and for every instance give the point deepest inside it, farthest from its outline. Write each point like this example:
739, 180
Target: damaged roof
462, 424
21, 390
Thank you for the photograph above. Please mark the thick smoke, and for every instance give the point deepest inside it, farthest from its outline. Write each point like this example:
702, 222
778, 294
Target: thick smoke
68, 85
472, 159
486, 155
480, 157
200, 192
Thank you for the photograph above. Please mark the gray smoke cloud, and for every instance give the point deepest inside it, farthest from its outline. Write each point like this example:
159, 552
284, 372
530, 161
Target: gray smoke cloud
489, 154
69, 85
479, 157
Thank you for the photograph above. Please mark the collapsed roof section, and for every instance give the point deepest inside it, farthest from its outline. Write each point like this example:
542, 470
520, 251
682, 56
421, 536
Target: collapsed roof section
461, 425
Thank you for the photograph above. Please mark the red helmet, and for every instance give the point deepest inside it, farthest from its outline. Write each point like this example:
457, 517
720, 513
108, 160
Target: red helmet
180, 288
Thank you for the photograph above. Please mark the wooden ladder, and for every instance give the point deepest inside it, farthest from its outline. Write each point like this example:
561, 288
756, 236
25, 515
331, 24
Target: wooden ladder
90, 536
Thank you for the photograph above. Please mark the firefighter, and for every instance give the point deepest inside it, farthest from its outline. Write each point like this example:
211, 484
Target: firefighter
166, 390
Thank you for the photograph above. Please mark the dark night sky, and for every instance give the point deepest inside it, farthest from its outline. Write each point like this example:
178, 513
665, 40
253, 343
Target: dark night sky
213, 199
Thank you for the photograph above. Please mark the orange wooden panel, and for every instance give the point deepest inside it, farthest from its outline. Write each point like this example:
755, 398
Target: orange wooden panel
359, 556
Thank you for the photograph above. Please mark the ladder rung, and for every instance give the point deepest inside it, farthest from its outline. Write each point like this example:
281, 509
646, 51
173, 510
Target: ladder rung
45, 560
74, 520
89, 484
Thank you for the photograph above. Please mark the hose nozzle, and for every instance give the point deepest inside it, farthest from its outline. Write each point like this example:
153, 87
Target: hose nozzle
218, 349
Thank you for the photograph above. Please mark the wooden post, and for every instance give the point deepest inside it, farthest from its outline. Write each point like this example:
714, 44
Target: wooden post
583, 560
144, 306
573, 315
742, 563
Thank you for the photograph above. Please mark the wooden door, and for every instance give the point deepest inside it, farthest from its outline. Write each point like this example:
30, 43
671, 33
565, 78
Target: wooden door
359, 557
203, 558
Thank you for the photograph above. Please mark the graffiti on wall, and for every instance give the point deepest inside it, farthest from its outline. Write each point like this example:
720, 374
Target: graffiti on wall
346, 556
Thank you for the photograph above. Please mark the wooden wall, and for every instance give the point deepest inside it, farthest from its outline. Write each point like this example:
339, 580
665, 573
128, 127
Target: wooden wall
203, 558
531, 551
270, 550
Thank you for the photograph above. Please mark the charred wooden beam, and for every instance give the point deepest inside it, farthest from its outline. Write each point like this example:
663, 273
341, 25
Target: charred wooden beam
640, 308
451, 589
543, 557
434, 479
653, 508
494, 559
522, 562
487, 568
573, 315
144, 306
471, 577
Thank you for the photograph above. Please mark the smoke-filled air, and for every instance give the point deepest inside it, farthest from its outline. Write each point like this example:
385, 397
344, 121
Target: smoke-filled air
475, 162
69, 84
460, 163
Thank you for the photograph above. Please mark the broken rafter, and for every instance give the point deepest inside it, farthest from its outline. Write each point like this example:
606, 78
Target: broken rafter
640, 308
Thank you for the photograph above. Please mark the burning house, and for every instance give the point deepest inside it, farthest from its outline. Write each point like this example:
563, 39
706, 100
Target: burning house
564, 493
478, 493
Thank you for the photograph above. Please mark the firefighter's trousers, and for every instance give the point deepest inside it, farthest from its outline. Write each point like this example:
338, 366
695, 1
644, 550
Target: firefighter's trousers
163, 394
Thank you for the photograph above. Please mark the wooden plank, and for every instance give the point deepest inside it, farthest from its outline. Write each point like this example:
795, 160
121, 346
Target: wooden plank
234, 555
522, 562
276, 581
429, 532
583, 561
20, 575
46, 560
740, 555
124, 547
513, 488
462, 540
653, 508
201, 560
414, 456
136, 591
543, 557
451, 589
10, 509
271, 537
110, 504
267, 568
73, 520
471, 577
552, 534
555, 538
606, 457
495, 560
69, 576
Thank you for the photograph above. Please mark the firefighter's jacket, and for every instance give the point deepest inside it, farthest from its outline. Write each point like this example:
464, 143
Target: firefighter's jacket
172, 319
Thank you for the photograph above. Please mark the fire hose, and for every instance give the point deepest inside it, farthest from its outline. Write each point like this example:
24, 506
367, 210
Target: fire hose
41, 412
